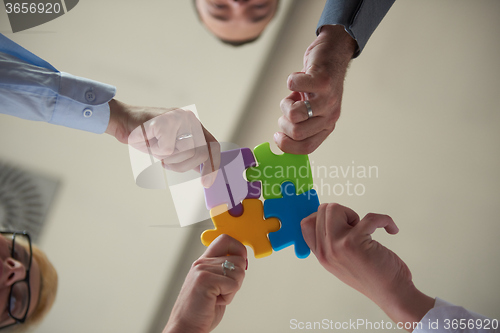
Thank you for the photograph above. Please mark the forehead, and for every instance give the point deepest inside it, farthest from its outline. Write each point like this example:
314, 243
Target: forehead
236, 28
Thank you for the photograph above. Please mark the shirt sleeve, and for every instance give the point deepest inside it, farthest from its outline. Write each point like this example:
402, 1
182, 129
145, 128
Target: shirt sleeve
360, 18
445, 317
31, 88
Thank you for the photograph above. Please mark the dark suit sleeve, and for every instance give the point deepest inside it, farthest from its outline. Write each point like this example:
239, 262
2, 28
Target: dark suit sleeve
360, 18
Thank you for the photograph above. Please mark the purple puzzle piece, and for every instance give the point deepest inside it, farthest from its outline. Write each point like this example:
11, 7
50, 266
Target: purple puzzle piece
254, 188
230, 187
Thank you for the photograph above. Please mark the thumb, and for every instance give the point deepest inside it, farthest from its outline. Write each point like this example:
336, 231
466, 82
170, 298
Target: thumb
308, 225
301, 82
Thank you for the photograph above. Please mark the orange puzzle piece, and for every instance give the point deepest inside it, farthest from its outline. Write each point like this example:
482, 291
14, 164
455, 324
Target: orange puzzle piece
250, 228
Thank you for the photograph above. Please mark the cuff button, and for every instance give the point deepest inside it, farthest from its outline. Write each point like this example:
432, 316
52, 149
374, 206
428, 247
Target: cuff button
90, 96
87, 113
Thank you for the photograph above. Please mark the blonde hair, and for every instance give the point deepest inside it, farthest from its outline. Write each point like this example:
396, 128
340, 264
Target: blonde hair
47, 293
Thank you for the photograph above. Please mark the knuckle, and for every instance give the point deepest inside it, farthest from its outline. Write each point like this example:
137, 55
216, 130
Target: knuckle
283, 105
296, 115
331, 120
332, 207
290, 81
309, 146
371, 217
198, 263
321, 255
297, 133
201, 276
282, 123
225, 238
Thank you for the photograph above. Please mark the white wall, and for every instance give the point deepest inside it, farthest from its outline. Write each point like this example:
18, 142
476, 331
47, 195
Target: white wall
420, 103
113, 259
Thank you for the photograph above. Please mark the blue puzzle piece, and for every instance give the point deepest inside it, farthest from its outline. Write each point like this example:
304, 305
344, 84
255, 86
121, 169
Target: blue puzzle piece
290, 210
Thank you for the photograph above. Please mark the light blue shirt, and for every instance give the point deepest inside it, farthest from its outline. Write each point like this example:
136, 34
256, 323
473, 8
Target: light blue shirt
31, 88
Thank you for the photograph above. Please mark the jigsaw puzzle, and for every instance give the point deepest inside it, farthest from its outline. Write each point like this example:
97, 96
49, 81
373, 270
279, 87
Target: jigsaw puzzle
229, 187
290, 210
287, 187
272, 170
250, 228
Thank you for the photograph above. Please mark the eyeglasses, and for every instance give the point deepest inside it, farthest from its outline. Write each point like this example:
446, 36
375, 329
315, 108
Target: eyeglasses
19, 299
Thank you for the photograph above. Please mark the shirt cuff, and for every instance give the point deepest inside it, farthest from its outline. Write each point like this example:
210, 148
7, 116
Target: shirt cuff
441, 317
82, 104
359, 18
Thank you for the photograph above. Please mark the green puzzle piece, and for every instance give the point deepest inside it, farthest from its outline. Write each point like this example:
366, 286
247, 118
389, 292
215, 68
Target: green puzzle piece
272, 170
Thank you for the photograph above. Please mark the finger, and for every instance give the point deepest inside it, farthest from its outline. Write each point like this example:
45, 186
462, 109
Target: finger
340, 219
163, 129
225, 245
167, 144
305, 129
222, 288
199, 155
372, 222
177, 156
308, 226
214, 264
297, 112
302, 82
228, 289
307, 146
212, 164
293, 108
183, 142
182, 131
197, 130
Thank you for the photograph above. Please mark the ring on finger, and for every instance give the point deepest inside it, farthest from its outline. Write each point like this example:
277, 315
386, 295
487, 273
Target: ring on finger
309, 109
227, 265
184, 136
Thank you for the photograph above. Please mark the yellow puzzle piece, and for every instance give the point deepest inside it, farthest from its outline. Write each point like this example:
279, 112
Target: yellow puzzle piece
250, 228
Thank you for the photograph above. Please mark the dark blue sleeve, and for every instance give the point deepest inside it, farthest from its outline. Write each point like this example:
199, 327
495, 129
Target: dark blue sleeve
360, 18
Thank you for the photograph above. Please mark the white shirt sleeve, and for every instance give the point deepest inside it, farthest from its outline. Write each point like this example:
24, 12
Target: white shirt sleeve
34, 92
446, 317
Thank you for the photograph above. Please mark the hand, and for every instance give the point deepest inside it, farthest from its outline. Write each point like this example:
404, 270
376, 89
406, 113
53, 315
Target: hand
159, 131
321, 82
343, 244
206, 291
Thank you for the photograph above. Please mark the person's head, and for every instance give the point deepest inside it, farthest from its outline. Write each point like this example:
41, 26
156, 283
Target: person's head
236, 22
28, 283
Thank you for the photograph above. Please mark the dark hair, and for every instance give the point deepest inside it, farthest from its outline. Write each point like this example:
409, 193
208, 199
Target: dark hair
225, 41
239, 42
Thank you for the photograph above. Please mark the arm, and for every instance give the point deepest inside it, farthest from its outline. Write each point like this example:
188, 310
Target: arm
207, 291
348, 251
31, 88
359, 18
343, 30
156, 131
343, 244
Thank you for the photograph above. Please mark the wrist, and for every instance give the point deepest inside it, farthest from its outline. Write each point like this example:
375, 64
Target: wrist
342, 44
406, 305
117, 121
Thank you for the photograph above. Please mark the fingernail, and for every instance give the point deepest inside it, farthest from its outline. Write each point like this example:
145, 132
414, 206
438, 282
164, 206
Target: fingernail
247, 264
276, 135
